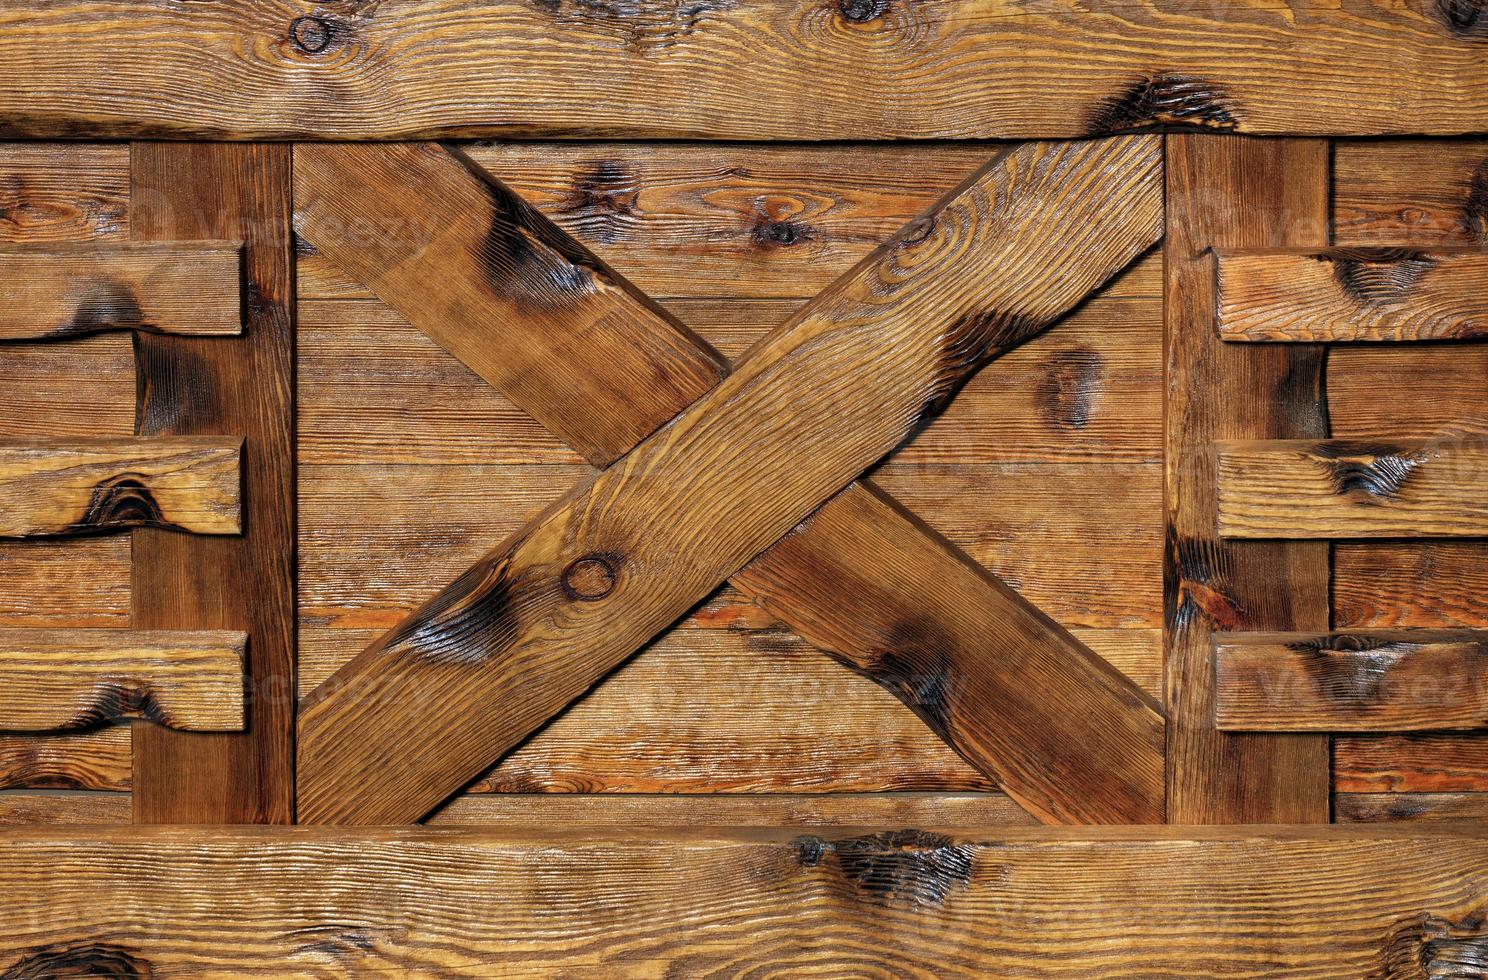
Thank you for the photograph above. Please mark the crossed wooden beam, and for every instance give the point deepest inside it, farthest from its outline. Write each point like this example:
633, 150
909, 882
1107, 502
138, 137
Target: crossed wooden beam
708, 475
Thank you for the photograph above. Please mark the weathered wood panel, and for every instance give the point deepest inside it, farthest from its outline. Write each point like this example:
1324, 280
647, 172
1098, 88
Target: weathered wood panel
64, 192
53, 291
1414, 807
1298, 488
1019, 901
1363, 681
54, 680
796, 70
67, 807
58, 488
1354, 294
1426, 192
243, 385
1413, 763
89, 760
1400, 584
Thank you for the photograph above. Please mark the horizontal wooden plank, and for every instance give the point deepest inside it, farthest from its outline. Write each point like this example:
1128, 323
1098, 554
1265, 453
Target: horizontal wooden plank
98, 760
63, 807
84, 486
1413, 807
846, 71
64, 192
56, 680
1432, 390
1411, 763
81, 582
1220, 902
1353, 489
1432, 584
1361, 681
1354, 294
55, 290
1428, 192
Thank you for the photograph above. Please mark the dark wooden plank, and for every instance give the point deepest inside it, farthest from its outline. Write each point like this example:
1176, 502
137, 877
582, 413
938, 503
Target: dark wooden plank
89, 760
1340, 488
796, 70
685, 487
57, 488
1353, 294
1361, 681
1235, 192
1450, 762
212, 385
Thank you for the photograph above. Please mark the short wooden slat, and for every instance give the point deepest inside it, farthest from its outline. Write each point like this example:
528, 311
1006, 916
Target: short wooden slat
84, 486
1299, 489
1414, 762
53, 291
58, 680
1361, 681
96, 760
69, 807
1355, 294
1007, 901
1414, 807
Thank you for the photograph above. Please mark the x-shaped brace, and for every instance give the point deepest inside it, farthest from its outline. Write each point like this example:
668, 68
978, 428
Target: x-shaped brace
709, 475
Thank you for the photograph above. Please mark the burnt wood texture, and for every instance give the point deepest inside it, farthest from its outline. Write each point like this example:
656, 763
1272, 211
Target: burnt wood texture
1052, 193
800, 69
209, 385
1229, 192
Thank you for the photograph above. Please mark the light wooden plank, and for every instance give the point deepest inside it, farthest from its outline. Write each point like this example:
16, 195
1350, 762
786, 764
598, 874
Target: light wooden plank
1361, 681
1430, 192
63, 807
1355, 294
53, 291
791, 70
732, 438
1426, 762
243, 385
441, 902
56, 680
1299, 488
64, 192
1235, 192
1413, 807
1433, 584
84, 486
98, 760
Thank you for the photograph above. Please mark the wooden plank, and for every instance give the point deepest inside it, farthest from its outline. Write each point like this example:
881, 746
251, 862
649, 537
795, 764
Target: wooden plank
1411, 763
56, 680
84, 761
1434, 584
1429, 192
1235, 192
1362, 681
52, 291
1044, 190
78, 486
244, 385
852, 71
1302, 488
440, 902
1415, 807
65, 807
1352, 294
64, 192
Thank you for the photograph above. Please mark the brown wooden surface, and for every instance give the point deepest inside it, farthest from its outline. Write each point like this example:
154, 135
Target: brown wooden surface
77, 761
1341, 488
745, 414
1425, 762
1362, 681
1356, 294
70, 487
1414, 807
790, 70
212, 385
52, 680
1235, 192
72, 808
1182, 902
54, 290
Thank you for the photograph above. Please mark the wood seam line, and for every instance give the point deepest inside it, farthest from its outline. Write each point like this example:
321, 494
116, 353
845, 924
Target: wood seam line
840, 71
1355, 681
51, 291
601, 571
64, 488
69, 679
1235, 192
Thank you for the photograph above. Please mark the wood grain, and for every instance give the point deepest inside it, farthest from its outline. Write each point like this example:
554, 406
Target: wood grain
1413, 807
82, 761
52, 291
59, 488
244, 385
1299, 488
1361, 681
66, 807
59, 680
1430, 762
64, 192
1040, 189
1354, 294
1427, 192
1410, 583
440, 902
1230, 192
795, 70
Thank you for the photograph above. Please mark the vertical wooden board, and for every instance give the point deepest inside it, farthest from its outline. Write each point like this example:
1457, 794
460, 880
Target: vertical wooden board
211, 386
1244, 193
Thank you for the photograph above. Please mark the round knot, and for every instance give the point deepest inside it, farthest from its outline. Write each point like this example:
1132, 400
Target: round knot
310, 34
590, 577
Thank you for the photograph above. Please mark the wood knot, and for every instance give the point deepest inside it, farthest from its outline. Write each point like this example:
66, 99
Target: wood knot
311, 34
591, 577
780, 233
862, 11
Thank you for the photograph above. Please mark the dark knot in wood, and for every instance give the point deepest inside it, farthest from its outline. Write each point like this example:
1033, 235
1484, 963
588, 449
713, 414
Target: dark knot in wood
780, 233
591, 577
862, 11
311, 34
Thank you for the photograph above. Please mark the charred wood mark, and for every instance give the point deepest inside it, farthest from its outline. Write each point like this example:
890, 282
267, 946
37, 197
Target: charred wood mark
1066, 393
780, 233
1370, 276
915, 663
1355, 678
107, 305
312, 35
174, 387
1465, 18
1475, 208
1197, 586
473, 621
862, 11
1432, 947
966, 345
1366, 471
337, 940
114, 702
1165, 99
591, 577
118, 502
602, 203
642, 26
912, 868
79, 960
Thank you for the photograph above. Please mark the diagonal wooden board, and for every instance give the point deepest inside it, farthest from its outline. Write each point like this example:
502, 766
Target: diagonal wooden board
538, 622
